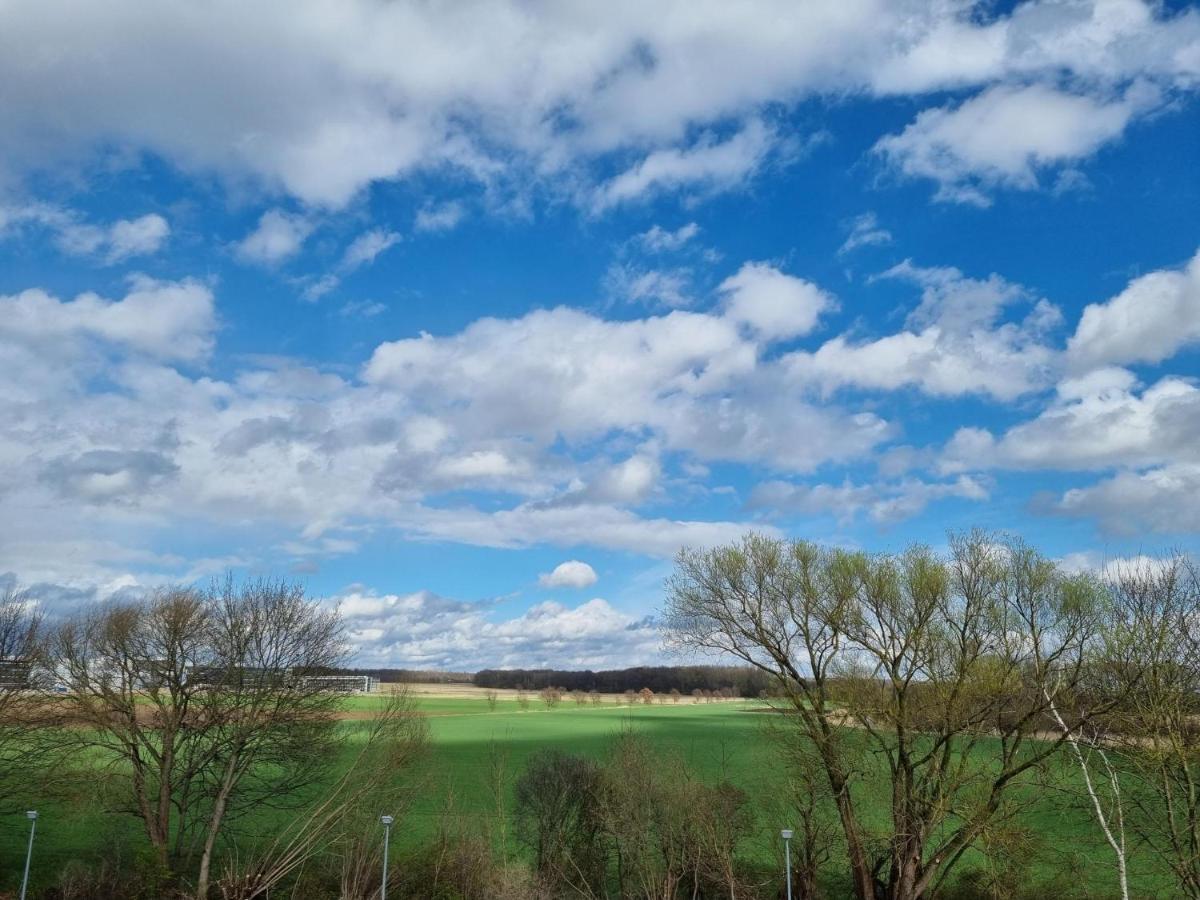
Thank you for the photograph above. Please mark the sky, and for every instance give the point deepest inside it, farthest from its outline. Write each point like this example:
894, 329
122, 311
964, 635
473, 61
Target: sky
468, 316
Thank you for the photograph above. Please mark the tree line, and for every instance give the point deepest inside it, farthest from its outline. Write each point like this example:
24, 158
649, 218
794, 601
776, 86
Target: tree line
743, 681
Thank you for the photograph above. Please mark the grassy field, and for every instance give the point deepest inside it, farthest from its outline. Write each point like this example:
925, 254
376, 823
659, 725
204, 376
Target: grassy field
722, 739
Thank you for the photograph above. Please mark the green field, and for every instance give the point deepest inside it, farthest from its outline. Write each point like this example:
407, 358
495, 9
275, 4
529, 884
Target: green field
716, 740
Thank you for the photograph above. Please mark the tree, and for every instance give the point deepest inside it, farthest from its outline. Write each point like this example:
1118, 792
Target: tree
523, 701
944, 666
200, 704
1151, 661
492, 699
550, 697
21, 624
668, 834
556, 817
646, 696
675, 695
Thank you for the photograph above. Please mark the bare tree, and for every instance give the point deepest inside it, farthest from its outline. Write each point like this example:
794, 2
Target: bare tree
492, 699
523, 700
943, 664
550, 696
273, 723
202, 704
20, 647
1152, 662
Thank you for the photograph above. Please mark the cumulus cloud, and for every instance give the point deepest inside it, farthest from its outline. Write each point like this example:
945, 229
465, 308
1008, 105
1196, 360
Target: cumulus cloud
955, 342
334, 97
277, 237
675, 376
883, 503
569, 574
99, 476
1097, 421
112, 243
136, 237
102, 420
424, 630
170, 320
1160, 500
1154, 317
772, 304
1007, 135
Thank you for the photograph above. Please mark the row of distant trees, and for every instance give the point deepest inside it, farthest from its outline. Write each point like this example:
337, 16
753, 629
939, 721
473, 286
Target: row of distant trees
409, 676
744, 681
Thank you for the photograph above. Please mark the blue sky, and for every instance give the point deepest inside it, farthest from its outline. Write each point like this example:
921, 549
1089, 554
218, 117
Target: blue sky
470, 316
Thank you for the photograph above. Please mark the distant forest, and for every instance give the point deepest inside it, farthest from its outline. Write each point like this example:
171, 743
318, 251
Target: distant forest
744, 681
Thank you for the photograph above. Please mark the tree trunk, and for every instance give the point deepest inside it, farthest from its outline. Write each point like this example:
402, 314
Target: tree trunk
214, 827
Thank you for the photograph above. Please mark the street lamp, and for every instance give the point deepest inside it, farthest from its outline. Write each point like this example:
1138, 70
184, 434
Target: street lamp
786, 834
387, 834
31, 815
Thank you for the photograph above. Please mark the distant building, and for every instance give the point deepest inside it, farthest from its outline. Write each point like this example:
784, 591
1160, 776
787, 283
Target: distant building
251, 677
347, 684
15, 674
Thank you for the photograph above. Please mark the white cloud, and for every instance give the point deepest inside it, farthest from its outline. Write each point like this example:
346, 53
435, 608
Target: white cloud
865, 231
439, 216
1097, 421
136, 237
709, 164
692, 379
1161, 500
100, 434
1007, 135
368, 245
1155, 316
569, 574
73, 234
277, 237
1110, 566
955, 342
163, 319
666, 287
328, 98
884, 503
423, 630
776, 306
659, 240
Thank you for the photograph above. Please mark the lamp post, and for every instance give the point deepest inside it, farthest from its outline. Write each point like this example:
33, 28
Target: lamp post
31, 815
387, 834
786, 834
